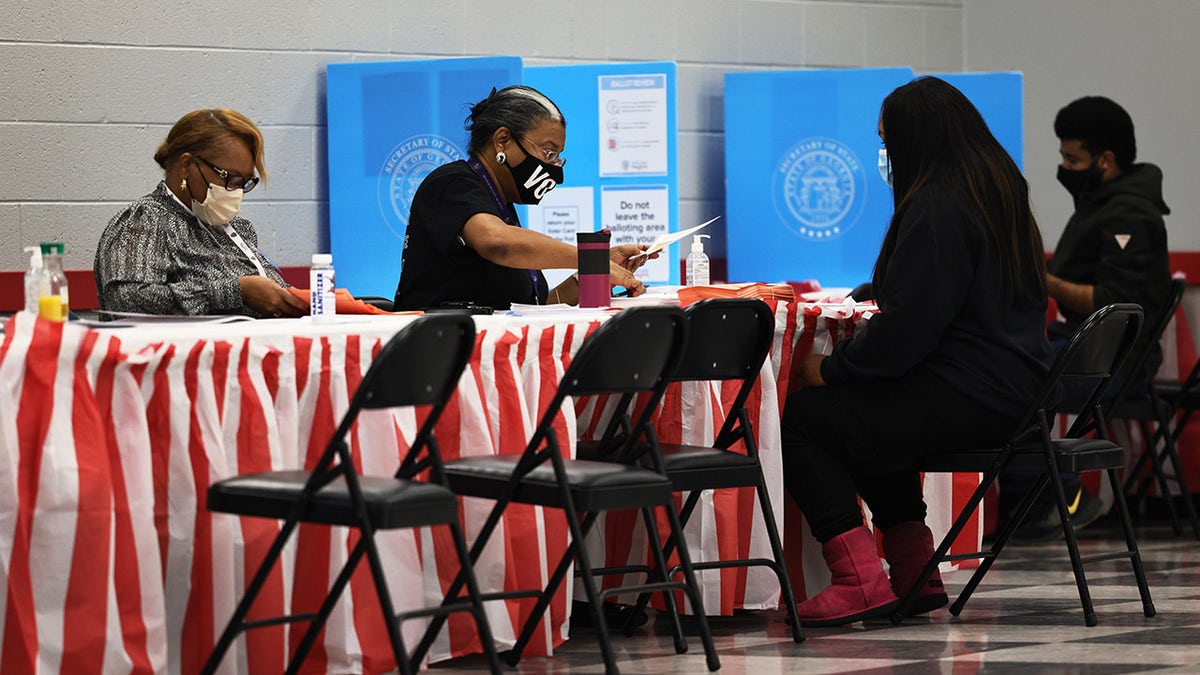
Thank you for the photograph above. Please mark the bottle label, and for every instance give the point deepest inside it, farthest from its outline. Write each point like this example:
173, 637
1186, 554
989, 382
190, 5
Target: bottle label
322, 301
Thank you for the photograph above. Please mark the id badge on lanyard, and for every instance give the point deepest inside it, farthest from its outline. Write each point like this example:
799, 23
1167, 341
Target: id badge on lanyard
245, 247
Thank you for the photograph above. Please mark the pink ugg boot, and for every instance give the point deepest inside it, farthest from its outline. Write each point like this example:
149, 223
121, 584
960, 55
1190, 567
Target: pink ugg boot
859, 588
908, 547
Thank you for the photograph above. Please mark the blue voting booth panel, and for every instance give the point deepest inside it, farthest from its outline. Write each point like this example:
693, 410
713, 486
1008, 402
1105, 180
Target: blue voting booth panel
1000, 99
390, 124
803, 193
622, 168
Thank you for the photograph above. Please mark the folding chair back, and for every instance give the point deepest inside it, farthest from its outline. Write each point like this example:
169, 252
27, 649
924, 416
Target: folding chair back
1096, 351
632, 352
632, 356
420, 367
728, 339
1138, 361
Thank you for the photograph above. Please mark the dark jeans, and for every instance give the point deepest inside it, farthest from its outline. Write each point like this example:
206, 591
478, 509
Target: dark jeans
844, 441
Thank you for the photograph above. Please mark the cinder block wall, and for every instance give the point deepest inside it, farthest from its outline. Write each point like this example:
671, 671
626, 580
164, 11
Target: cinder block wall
88, 89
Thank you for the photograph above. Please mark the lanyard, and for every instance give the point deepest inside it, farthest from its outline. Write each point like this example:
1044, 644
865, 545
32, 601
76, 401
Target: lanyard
510, 216
242, 244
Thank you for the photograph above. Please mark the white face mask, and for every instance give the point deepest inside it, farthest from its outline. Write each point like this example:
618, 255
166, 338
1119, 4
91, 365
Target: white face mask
219, 205
885, 167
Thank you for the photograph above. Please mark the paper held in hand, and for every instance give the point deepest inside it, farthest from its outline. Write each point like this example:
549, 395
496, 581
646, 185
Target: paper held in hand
671, 237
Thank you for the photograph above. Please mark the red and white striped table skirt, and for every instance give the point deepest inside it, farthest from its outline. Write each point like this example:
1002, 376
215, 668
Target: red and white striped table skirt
109, 439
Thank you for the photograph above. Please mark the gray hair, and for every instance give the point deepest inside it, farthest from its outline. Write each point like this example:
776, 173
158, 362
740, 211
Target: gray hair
519, 108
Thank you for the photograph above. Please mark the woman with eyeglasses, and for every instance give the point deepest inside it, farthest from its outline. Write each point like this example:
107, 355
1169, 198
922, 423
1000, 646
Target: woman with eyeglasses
183, 249
464, 242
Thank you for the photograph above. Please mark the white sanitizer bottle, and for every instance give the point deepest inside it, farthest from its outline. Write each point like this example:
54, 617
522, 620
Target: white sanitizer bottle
32, 276
322, 302
697, 263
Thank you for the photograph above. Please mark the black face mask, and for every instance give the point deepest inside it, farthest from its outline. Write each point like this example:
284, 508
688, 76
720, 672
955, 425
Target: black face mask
1080, 181
535, 179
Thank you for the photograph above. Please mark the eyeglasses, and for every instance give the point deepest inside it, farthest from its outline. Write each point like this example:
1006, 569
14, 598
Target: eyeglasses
551, 156
233, 181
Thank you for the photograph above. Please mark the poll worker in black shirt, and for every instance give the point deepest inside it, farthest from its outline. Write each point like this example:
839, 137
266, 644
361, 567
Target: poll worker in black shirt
955, 354
464, 243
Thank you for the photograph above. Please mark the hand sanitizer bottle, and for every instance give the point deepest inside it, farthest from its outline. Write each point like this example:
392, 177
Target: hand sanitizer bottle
322, 301
697, 263
32, 276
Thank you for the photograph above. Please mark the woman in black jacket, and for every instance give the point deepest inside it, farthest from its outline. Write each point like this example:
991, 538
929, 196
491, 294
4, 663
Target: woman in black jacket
952, 359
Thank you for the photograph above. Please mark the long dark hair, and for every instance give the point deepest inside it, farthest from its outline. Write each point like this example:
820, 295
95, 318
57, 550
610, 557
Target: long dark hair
933, 133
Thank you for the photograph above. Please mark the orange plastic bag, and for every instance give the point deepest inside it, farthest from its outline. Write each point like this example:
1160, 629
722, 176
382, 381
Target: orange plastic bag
348, 304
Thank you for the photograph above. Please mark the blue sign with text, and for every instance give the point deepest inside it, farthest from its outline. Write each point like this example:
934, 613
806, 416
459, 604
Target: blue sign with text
803, 195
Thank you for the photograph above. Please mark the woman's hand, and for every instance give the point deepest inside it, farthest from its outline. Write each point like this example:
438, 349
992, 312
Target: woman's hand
619, 276
631, 256
270, 298
810, 371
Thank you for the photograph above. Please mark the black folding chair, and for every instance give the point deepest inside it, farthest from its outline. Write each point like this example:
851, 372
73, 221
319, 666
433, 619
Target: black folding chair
1139, 400
633, 352
420, 365
1095, 352
728, 339
1183, 396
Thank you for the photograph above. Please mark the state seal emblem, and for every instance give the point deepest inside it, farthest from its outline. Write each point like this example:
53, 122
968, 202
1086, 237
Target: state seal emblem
819, 189
402, 171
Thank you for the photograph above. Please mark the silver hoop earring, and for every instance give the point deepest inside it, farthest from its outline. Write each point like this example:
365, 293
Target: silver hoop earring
501, 157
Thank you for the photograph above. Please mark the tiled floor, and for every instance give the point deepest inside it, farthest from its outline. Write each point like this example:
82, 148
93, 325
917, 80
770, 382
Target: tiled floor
1025, 618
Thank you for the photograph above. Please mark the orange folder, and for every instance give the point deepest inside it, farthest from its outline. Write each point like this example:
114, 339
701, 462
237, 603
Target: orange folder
348, 304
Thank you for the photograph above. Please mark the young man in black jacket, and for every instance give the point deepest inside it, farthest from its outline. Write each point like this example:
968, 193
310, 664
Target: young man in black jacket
1113, 249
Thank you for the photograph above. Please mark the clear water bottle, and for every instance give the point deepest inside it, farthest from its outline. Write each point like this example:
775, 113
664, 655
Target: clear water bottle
33, 277
322, 301
53, 299
697, 263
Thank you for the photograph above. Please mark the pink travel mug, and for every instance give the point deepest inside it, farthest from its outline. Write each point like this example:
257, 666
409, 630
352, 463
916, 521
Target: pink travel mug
594, 287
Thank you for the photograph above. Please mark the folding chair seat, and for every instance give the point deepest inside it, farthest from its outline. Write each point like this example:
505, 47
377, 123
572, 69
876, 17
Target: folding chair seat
728, 339
1095, 352
1140, 401
419, 366
632, 353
